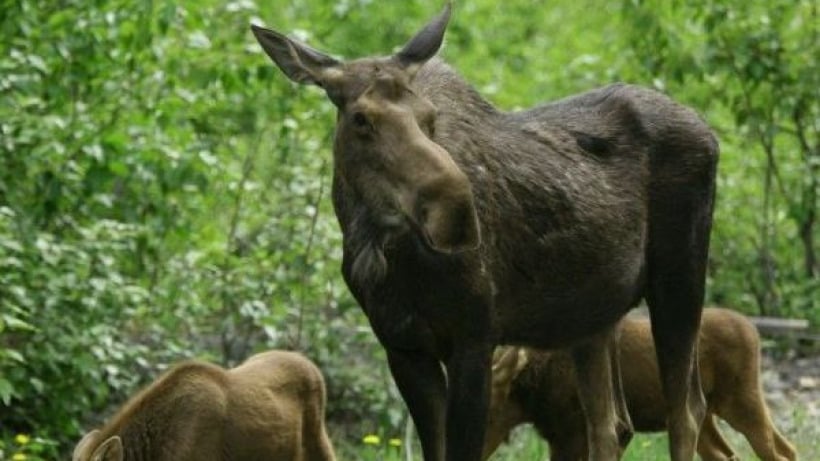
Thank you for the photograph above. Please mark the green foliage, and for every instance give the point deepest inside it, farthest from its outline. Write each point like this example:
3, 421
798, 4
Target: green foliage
164, 190
125, 128
23, 447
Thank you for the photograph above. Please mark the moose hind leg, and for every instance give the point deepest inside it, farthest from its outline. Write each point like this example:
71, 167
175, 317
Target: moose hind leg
596, 393
679, 226
422, 385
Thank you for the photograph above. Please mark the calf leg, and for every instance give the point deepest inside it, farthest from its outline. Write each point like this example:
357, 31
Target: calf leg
711, 444
315, 441
499, 426
421, 382
596, 393
784, 447
747, 412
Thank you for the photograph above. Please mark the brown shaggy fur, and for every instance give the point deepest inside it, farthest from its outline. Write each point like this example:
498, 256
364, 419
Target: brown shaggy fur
270, 407
540, 388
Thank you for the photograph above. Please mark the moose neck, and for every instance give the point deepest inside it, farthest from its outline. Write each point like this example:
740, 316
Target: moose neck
146, 422
450, 93
142, 439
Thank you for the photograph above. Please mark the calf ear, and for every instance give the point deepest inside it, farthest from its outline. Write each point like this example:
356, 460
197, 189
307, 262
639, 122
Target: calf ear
508, 362
299, 62
84, 446
110, 450
522, 362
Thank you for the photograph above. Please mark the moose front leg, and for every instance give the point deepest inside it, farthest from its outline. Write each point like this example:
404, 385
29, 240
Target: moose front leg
423, 387
597, 394
468, 386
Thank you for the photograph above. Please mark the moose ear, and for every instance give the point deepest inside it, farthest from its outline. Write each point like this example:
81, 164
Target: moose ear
110, 450
299, 62
426, 43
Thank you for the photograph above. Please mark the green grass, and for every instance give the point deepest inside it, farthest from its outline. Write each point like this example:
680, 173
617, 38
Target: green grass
796, 424
526, 445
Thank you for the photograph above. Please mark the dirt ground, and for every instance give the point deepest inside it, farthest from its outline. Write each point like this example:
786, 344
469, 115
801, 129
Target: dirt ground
790, 382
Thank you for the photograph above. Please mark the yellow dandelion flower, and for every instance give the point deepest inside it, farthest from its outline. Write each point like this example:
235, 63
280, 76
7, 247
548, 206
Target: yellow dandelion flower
394, 442
371, 439
22, 439
19, 457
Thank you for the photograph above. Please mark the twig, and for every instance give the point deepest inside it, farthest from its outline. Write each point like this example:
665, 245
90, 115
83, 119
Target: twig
225, 267
311, 236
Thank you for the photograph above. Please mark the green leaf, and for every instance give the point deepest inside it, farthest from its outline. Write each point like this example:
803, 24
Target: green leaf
13, 323
13, 355
6, 391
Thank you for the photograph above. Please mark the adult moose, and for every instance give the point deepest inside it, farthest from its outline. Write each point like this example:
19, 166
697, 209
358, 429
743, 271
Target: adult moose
465, 227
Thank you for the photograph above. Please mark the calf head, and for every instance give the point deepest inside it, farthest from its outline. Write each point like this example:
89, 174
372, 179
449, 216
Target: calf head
384, 148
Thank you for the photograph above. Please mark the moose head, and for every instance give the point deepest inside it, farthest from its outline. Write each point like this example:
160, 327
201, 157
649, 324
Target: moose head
385, 148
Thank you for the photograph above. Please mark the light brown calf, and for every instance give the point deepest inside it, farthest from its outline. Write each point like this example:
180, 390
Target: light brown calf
270, 407
540, 388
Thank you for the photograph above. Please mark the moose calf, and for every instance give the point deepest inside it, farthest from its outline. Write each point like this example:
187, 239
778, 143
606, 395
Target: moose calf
270, 407
540, 388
